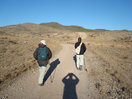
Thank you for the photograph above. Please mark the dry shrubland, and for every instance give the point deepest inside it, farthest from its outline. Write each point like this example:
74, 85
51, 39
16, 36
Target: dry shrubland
114, 49
16, 49
16, 54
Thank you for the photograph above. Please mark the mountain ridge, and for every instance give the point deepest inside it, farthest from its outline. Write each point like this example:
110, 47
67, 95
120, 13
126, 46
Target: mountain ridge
53, 25
44, 28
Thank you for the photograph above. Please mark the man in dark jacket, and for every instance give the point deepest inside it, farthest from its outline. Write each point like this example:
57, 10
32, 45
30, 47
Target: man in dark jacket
42, 63
80, 49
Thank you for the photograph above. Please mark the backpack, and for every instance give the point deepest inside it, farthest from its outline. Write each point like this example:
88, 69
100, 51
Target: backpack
42, 54
77, 50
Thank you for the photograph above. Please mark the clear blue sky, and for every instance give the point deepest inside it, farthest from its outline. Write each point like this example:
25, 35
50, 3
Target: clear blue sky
91, 14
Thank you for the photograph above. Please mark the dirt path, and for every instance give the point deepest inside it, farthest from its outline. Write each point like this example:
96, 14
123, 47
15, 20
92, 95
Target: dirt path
26, 87
83, 35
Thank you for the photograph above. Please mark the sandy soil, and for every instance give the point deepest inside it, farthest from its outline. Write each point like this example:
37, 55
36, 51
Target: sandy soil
103, 79
26, 87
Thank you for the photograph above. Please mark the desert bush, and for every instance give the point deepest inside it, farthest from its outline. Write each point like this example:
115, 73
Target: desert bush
2, 32
125, 57
3, 50
12, 42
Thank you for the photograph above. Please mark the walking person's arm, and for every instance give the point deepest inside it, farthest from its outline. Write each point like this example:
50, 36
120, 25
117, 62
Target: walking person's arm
84, 47
76, 45
49, 53
35, 54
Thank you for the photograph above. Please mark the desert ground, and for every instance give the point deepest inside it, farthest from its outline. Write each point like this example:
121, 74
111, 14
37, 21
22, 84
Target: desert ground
107, 60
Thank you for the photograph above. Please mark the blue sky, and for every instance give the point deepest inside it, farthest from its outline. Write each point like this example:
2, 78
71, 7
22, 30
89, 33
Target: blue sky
90, 14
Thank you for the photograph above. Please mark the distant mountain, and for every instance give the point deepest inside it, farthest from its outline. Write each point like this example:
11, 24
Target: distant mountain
69, 28
100, 30
40, 29
52, 24
29, 28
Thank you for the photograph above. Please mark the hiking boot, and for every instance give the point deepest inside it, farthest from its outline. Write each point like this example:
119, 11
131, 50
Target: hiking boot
86, 70
41, 84
77, 68
80, 68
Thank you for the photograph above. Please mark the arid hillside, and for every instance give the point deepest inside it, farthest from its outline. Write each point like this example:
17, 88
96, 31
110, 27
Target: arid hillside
115, 49
18, 42
39, 29
112, 48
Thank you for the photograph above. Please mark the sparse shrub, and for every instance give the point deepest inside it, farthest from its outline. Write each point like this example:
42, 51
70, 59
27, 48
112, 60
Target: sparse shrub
97, 85
12, 42
20, 54
88, 44
92, 35
4, 38
3, 50
1, 81
2, 32
125, 57
112, 45
48, 35
126, 39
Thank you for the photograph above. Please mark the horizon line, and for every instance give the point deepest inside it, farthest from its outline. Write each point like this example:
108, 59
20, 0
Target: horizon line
69, 25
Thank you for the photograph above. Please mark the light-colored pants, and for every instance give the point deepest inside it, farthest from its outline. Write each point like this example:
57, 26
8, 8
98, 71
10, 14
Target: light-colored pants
42, 72
80, 60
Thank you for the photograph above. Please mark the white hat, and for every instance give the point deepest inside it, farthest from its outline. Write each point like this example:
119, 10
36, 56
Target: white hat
43, 41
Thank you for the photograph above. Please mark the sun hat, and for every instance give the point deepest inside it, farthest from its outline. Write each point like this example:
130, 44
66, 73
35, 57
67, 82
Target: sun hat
43, 42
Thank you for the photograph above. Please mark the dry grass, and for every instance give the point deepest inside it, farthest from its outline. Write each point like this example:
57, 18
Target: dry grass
112, 71
17, 44
116, 52
16, 54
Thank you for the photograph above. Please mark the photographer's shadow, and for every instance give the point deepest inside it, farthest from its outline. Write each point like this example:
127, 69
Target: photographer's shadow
70, 81
52, 67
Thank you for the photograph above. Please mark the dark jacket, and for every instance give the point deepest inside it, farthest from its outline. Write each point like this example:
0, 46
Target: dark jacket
35, 54
83, 48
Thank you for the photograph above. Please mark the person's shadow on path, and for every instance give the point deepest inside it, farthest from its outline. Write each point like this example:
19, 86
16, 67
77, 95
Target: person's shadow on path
75, 60
53, 66
70, 81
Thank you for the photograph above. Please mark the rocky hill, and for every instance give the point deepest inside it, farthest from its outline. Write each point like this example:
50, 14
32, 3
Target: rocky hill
36, 29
